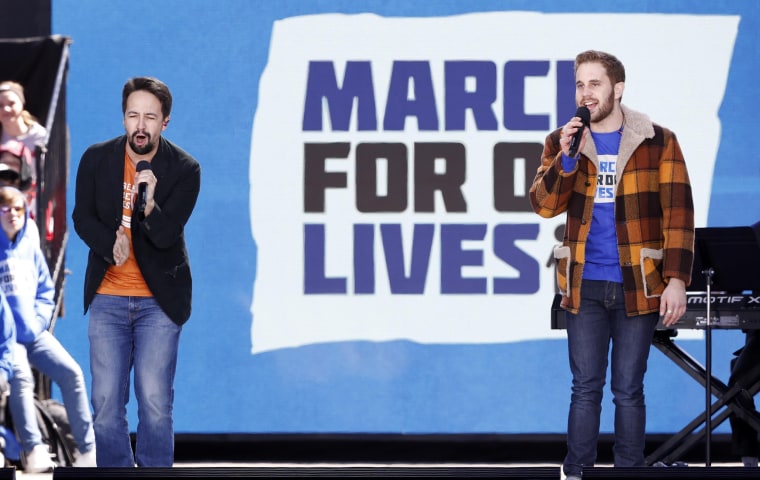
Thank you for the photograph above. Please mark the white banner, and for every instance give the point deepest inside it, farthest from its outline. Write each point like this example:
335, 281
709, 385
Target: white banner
388, 191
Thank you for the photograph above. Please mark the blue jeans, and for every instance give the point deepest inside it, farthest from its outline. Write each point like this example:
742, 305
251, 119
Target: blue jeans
48, 356
602, 319
127, 333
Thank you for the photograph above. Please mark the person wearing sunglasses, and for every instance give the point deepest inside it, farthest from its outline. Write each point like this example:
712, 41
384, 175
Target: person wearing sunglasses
30, 292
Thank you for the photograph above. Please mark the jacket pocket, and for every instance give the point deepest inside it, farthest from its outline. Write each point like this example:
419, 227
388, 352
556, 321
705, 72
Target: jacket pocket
174, 271
562, 255
651, 272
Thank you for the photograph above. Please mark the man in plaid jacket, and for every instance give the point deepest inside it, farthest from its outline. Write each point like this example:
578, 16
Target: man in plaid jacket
626, 256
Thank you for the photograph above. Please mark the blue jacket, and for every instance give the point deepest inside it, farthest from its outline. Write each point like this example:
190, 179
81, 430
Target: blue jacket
7, 338
25, 281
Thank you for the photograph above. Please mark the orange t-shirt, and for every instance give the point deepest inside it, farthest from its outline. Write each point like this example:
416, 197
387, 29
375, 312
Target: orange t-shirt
126, 280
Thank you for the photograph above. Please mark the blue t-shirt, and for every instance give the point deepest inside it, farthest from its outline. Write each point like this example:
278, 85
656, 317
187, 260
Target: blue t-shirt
602, 259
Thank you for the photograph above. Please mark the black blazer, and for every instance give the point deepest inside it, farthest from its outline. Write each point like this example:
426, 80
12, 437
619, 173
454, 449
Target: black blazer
158, 240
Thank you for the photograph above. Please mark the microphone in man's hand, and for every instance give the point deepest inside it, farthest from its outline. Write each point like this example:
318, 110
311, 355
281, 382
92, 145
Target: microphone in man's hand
142, 195
575, 141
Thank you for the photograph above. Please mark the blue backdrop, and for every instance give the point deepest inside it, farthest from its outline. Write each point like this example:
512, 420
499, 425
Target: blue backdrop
212, 55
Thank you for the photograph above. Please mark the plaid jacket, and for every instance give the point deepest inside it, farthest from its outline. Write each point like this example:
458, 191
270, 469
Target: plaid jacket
654, 212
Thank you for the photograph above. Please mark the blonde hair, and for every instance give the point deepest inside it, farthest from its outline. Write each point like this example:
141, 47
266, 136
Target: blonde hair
18, 89
9, 195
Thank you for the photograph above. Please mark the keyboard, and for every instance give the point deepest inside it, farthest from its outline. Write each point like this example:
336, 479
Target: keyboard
727, 310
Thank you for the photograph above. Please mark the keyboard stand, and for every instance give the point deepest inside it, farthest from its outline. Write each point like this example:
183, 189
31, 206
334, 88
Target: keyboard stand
681, 442
709, 273
728, 259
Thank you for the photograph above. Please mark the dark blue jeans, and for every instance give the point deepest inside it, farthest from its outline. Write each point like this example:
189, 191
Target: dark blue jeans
602, 321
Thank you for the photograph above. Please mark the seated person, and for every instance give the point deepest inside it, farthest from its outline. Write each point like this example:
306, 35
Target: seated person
16, 123
15, 172
14, 165
19, 125
30, 293
7, 342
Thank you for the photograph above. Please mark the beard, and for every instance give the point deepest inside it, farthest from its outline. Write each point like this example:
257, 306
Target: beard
149, 145
605, 109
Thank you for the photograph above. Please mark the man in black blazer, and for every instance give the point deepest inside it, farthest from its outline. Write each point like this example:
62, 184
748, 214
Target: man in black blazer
134, 195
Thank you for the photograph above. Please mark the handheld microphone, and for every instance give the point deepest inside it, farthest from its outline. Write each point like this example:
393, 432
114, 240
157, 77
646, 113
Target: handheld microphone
575, 142
142, 196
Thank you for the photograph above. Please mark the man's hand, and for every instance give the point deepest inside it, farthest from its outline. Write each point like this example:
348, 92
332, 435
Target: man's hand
567, 133
673, 302
149, 178
121, 247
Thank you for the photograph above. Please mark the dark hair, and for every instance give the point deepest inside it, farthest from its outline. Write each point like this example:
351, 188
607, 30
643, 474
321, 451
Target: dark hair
613, 66
150, 85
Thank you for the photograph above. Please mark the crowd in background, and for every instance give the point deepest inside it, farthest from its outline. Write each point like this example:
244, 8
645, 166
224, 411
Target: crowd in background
27, 296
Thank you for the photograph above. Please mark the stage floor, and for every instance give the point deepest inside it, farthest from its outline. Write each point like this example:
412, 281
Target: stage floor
532, 471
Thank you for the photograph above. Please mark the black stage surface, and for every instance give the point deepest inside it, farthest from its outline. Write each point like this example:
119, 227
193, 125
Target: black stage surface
529, 457
411, 448
525, 473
